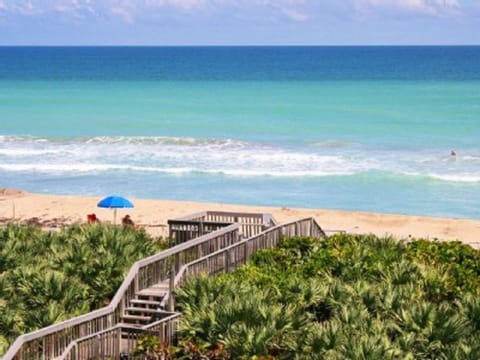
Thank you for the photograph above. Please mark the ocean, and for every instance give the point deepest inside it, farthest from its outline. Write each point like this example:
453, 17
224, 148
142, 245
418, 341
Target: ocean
355, 128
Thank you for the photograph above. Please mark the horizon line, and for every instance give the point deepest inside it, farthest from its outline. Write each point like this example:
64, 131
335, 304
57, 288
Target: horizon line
238, 45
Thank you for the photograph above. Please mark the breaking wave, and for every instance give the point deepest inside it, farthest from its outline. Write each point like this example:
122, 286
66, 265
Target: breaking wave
225, 157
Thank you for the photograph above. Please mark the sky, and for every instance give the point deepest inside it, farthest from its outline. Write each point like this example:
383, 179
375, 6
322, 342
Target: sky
239, 22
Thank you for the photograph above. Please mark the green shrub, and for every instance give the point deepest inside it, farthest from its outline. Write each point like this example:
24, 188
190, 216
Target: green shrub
346, 297
47, 277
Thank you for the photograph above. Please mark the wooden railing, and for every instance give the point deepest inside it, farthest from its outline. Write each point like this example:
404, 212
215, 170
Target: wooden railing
219, 251
191, 226
235, 255
50, 342
122, 338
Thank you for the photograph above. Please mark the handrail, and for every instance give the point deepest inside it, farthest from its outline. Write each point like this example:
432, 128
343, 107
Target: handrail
184, 246
105, 318
266, 219
191, 226
196, 215
206, 214
181, 273
174, 316
114, 305
74, 343
237, 244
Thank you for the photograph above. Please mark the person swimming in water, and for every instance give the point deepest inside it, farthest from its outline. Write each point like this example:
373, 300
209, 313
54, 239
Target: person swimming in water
453, 153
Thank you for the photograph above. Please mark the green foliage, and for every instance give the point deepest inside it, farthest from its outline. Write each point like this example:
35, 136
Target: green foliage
460, 261
346, 297
149, 347
222, 317
47, 277
3, 345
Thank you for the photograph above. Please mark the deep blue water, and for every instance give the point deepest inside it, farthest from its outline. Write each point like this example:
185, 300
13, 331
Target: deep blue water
349, 63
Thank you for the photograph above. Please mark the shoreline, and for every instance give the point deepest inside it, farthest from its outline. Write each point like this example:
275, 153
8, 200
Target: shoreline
51, 211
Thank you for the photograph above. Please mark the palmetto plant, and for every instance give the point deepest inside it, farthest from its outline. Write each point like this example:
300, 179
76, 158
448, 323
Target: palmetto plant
471, 310
347, 297
245, 322
46, 277
322, 340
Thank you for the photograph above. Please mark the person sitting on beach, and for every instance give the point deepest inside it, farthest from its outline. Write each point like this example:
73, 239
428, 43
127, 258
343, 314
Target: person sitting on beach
127, 221
92, 219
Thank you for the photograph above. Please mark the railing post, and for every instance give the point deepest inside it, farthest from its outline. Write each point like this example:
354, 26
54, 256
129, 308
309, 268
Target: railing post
119, 341
171, 288
245, 249
97, 347
235, 220
227, 261
176, 262
170, 235
136, 282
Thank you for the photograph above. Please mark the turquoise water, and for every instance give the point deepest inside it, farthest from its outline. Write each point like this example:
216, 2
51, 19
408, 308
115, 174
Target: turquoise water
347, 128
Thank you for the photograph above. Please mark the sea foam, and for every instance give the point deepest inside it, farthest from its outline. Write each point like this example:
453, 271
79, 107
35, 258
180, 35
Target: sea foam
226, 157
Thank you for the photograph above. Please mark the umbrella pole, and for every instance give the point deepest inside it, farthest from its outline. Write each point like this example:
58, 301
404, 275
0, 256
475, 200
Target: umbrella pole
115, 216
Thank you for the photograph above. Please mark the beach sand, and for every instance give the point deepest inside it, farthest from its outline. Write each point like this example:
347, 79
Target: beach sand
53, 211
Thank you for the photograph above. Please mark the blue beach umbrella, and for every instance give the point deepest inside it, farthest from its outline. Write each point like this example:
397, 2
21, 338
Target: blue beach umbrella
115, 202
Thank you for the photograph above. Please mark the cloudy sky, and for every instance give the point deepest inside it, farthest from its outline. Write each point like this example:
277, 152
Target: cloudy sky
239, 22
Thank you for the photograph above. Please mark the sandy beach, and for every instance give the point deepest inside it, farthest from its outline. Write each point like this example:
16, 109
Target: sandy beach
53, 211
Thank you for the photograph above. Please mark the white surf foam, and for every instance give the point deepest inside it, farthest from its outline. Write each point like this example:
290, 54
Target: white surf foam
466, 178
226, 157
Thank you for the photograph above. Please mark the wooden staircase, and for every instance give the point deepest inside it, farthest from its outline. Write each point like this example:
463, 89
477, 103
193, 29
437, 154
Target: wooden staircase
147, 306
206, 245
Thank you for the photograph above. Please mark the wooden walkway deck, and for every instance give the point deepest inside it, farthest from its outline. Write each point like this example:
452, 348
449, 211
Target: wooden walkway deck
203, 243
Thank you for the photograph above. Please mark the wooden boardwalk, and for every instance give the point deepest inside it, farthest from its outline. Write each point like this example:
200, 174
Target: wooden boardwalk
202, 243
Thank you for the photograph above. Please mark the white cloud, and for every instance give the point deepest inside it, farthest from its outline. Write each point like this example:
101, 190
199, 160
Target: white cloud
25, 8
129, 10
122, 12
295, 15
291, 10
423, 7
76, 11
75, 6
180, 4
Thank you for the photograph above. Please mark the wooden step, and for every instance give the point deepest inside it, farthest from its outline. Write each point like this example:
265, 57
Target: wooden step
160, 286
140, 309
144, 302
149, 292
136, 318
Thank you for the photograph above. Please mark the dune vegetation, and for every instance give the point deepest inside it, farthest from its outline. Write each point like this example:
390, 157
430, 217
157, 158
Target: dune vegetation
347, 297
47, 277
